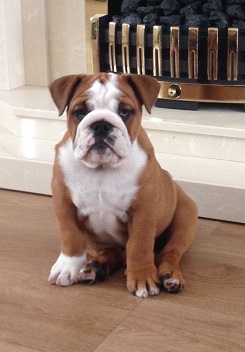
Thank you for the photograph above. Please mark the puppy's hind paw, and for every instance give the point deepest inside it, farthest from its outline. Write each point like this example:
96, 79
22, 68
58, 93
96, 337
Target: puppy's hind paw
93, 271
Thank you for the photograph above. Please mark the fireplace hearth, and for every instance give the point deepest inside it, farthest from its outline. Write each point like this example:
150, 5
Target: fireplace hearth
196, 49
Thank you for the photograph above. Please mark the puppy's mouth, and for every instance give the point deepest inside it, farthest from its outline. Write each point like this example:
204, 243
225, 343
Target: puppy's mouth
100, 147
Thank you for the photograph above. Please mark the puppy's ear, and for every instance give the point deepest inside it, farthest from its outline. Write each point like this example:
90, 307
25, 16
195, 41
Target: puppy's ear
62, 90
146, 89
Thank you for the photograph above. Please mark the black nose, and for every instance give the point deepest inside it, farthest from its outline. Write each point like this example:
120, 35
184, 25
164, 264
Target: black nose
101, 128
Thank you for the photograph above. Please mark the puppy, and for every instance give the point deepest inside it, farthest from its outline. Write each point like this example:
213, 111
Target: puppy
111, 197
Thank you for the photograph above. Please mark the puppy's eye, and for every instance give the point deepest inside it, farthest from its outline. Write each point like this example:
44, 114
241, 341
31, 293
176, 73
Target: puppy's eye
80, 113
125, 114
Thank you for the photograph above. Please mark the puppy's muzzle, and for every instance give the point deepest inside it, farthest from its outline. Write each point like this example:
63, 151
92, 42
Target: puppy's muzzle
102, 138
102, 135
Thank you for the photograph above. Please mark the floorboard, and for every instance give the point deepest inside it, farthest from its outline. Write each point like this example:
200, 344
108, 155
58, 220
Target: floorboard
209, 315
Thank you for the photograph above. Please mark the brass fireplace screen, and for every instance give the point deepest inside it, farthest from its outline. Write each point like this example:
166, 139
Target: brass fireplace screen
192, 64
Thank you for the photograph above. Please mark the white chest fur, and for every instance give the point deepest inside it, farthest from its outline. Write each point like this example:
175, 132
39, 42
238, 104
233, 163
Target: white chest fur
103, 195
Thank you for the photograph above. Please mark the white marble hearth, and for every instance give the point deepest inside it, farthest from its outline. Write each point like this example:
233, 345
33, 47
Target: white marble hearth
204, 150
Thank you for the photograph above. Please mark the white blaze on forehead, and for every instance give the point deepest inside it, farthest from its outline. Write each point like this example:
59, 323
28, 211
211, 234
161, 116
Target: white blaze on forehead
104, 95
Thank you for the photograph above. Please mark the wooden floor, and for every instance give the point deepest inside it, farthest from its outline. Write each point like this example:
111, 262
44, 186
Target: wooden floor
209, 315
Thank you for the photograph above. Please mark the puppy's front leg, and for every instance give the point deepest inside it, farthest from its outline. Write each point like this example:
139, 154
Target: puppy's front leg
66, 269
142, 275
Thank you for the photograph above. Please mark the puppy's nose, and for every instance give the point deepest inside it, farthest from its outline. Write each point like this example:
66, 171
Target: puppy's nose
101, 128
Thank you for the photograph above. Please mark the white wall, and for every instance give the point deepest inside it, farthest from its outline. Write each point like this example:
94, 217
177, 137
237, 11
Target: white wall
67, 37
35, 42
12, 72
40, 40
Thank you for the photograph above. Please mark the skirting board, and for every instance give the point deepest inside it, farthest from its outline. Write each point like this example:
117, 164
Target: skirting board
25, 175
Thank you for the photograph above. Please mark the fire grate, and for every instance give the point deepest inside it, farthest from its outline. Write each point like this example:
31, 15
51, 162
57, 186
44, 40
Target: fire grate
196, 63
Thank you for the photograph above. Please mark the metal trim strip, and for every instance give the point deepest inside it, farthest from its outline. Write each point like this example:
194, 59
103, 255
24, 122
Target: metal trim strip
213, 93
140, 49
112, 47
157, 51
125, 48
193, 37
174, 52
232, 54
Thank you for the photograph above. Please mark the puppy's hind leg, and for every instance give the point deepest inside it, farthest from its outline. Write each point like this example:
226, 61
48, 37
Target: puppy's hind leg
182, 232
101, 265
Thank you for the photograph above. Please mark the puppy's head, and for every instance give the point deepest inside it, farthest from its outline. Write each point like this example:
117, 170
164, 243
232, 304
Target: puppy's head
104, 113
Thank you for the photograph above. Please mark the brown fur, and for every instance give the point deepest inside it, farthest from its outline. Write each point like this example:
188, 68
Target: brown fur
160, 203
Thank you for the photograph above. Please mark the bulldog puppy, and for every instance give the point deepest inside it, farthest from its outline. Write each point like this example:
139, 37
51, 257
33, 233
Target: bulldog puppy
111, 197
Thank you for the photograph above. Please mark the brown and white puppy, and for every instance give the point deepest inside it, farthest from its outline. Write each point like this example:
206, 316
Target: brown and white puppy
111, 197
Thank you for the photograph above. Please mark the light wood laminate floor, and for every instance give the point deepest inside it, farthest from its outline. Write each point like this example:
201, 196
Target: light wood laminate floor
209, 315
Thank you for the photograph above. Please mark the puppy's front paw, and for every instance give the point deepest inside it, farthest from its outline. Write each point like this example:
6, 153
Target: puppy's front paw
66, 269
143, 283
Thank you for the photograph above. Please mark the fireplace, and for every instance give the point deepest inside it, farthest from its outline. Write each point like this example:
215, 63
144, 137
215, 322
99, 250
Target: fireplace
195, 52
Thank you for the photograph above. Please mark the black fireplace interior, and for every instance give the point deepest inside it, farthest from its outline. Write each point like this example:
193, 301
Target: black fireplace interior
186, 13
220, 14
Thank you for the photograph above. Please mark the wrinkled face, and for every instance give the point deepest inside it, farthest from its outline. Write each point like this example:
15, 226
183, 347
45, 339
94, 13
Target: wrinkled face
103, 120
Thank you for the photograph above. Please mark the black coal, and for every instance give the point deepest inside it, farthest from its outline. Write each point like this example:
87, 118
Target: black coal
186, 13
